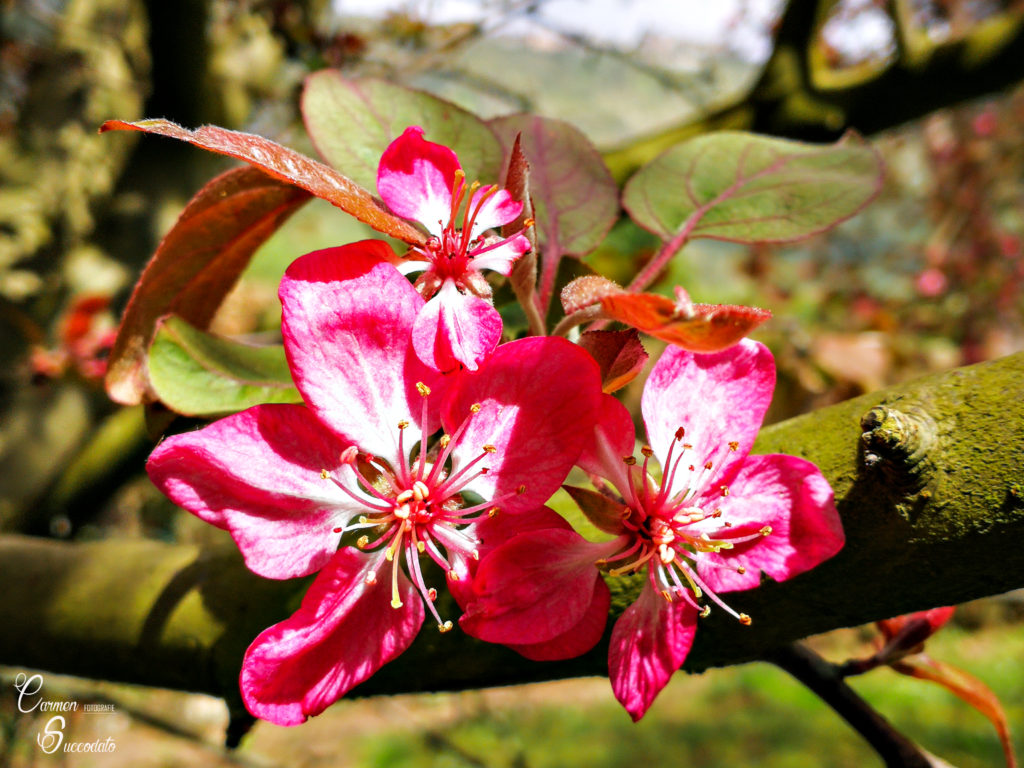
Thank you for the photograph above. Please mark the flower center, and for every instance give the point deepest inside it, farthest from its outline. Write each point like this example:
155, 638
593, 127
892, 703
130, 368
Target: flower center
414, 508
669, 529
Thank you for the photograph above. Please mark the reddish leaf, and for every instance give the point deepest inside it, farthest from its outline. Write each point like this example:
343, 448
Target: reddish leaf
966, 687
286, 165
915, 627
619, 354
517, 183
195, 266
586, 291
605, 513
696, 327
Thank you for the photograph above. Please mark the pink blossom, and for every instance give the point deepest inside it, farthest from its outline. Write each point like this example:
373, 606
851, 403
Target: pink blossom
715, 520
352, 484
424, 181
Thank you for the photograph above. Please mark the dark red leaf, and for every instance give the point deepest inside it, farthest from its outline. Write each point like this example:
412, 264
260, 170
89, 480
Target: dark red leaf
619, 354
286, 165
195, 266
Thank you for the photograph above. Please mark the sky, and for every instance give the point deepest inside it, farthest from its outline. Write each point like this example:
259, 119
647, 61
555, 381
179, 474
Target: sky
742, 25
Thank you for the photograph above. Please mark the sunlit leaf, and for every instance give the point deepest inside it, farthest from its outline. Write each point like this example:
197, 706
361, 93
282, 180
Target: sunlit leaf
286, 165
351, 123
619, 355
574, 196
575, 199
752, 189
198, 374
696, 327
195, 266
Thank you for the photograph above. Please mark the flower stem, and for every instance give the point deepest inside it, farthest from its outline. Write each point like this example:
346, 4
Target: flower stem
824, 679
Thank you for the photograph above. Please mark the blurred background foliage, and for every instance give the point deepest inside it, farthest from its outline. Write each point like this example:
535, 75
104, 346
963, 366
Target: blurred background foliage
928, 278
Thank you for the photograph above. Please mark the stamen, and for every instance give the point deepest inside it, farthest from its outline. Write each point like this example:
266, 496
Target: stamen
422, 388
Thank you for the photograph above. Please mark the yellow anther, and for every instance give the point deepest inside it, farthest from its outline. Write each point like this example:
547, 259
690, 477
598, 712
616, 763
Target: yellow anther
745, 620
362, 541
432, 594
724, 489
629, 460
389, 554
446, 627
453, 575
404, 496
705, 611
403, 424
687, 447
647, 451
665, 593
741, 570
521, 490
445, 439
490, 448
402, 512
492, 511
421, 547
363, 519
766, 531
324, 474
475, 408
476, 554
371, 579
420, 490
527, 223
396, 602
734, 445
422, 388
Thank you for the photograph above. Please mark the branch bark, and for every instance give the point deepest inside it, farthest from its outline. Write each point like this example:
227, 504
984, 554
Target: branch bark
928, 480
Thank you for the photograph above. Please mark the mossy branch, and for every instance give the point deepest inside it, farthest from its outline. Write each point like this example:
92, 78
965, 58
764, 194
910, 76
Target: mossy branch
929, 480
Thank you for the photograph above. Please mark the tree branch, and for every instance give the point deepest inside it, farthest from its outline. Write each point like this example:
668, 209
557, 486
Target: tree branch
927, 478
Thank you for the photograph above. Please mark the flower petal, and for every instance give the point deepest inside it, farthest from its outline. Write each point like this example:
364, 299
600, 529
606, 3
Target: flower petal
415, 179
612, 440
579, 638
650, 641
347, 318
344, 631
718, 398
536, 395
491, 532
495, 209
517, 584
456, 329
257, 474
792, 496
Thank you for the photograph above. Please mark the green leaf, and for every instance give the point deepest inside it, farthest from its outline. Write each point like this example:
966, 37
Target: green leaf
196, 265
351, 123
198, 374
753, 189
